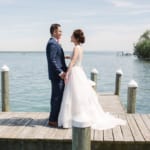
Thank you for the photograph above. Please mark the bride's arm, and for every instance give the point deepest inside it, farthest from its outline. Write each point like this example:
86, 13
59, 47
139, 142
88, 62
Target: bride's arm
73, 60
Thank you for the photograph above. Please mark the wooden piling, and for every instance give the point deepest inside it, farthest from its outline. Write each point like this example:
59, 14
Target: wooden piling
118, 82
81, 136
5, 88
131, 101
94, 74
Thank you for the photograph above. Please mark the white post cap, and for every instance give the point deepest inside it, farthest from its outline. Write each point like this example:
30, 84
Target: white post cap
81, 121
119, 71
79, 124
94, 71
5, 68
133, 84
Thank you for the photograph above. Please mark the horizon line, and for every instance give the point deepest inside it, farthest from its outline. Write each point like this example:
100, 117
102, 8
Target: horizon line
6, 51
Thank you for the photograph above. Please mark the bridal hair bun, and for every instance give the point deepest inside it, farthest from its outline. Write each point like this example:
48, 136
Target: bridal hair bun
79, 35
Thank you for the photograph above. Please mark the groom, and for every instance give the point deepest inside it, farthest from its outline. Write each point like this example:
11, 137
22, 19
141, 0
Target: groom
56, 70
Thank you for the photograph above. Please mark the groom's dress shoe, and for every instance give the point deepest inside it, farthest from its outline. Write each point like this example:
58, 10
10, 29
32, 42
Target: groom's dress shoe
52, 124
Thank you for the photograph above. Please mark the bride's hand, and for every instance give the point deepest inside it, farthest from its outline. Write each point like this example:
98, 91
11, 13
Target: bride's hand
66, 77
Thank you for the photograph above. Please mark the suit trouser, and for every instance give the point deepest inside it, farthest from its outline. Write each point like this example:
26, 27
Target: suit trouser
56, 98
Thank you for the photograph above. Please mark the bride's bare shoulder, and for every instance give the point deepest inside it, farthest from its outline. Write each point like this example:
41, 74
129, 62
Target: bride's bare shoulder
77, 47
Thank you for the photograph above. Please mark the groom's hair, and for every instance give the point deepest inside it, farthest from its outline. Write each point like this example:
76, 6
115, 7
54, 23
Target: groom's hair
54, 27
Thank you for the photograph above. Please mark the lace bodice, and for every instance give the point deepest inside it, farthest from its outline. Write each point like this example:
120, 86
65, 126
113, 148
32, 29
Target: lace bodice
79, 59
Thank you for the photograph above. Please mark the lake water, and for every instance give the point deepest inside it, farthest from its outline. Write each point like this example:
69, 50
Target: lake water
30, 87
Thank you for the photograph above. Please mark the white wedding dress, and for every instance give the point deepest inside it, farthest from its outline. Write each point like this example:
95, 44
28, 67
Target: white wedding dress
80, 104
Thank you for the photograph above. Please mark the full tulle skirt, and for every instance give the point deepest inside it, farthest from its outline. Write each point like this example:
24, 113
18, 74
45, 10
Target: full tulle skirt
80, 105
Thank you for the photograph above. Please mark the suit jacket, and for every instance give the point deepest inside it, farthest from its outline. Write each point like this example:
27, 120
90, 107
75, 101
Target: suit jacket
55, 59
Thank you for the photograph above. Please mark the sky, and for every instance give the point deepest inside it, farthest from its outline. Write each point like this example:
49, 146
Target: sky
108, 25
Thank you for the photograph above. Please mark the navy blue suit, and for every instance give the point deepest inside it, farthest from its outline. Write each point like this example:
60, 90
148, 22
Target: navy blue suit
56, 64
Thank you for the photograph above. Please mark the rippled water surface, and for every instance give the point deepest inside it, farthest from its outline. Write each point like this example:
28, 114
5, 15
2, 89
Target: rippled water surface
30, 87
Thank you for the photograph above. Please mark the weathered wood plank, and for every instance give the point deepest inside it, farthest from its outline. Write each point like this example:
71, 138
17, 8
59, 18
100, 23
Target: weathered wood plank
33, 127
134, 129
41, 127
126, 131
146, 119
117, 134
50, 134
142, 127
108, 135
59, 134
111, 103
3, 114
29, 128
4, 117
18, 125
8, 123
98, 135
68, 134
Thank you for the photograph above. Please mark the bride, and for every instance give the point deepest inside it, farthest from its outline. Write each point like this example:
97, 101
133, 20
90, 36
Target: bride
80, 102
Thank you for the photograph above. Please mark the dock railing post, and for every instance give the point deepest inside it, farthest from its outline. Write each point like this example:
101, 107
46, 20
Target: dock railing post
5, 88
131, 100
119, 74
81, 136
94, 74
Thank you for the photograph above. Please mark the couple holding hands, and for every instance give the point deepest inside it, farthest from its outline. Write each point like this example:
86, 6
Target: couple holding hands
73, 100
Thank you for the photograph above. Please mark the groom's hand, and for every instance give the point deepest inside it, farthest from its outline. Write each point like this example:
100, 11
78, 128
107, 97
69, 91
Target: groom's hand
63, 75
67, 57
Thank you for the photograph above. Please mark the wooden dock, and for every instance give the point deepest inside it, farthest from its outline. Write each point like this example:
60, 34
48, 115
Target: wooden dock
111, 103
29, 131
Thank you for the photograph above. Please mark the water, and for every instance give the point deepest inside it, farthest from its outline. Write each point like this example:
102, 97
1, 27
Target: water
30, 87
